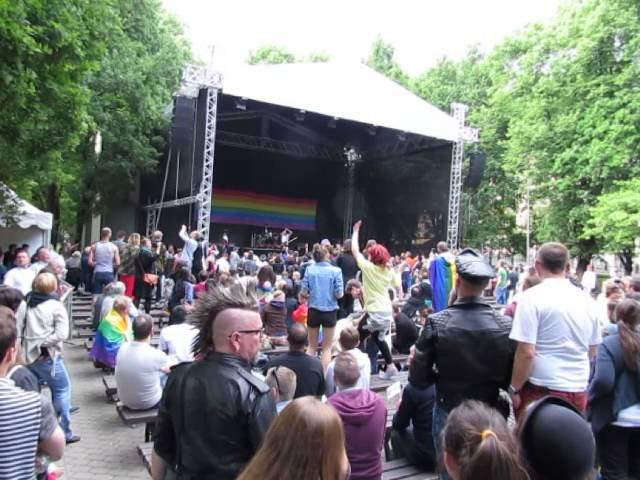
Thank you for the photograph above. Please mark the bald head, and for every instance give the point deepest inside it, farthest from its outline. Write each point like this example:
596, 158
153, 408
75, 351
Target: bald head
297, 337
233, 320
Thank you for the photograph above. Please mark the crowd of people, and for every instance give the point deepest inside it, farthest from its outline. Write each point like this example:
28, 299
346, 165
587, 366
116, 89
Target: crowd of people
543, 383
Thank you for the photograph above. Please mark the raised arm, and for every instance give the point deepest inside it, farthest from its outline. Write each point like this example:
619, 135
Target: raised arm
355, 246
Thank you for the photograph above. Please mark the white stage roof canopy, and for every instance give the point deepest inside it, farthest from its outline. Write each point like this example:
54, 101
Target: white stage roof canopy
346, 91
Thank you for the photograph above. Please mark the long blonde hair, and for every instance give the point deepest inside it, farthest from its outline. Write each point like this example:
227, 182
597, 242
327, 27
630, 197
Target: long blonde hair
306, 441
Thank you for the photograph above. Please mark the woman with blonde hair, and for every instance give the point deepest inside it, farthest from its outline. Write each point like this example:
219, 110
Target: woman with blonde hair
306, 441
113, 331
46, 328
127, 269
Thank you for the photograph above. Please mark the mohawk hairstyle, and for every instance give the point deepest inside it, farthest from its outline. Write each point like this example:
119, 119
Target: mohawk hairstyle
210, 305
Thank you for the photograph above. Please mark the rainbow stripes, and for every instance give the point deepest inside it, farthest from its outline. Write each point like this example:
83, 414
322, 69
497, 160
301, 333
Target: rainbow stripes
245, 208
442, 274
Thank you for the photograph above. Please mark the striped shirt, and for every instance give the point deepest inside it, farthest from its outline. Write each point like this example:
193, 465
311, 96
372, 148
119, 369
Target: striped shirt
21, 427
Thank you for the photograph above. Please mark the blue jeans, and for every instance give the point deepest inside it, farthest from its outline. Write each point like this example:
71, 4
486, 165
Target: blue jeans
437, 426
56, 376
502, 294
100, 279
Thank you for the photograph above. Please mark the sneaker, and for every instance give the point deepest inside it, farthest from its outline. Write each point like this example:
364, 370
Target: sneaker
73, 439
389, 373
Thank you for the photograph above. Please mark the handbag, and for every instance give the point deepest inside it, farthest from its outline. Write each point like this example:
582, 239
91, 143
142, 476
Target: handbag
150, 278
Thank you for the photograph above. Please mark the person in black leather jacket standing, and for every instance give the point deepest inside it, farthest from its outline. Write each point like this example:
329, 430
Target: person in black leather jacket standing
469, 353
214, 413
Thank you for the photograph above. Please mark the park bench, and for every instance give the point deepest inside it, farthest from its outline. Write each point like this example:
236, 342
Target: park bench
136, 417
398, 358
379, 385
400, 469
145, 450
110, 388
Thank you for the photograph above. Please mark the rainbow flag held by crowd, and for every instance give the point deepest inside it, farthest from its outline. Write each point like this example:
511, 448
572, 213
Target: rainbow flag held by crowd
442, 274
246, 208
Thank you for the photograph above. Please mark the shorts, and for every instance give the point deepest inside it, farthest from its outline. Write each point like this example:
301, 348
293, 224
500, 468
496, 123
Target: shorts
318, 318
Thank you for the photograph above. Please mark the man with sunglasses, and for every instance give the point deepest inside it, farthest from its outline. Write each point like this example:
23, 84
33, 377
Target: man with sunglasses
214, 413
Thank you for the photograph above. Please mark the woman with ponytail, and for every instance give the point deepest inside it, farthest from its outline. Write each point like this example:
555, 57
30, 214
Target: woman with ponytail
478, 445
614, 395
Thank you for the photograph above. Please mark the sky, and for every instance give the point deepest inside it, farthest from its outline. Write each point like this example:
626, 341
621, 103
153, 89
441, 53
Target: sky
422, 31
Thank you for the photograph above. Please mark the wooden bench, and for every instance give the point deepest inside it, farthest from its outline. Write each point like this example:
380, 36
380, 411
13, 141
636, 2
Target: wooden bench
397, 358
136, 417
401, 470
110, 388
378, 384
145, 450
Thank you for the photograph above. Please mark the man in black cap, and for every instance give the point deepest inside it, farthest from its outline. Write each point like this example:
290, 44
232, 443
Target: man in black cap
469, 354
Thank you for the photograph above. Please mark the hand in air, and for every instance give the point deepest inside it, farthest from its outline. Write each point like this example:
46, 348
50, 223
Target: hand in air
357, 225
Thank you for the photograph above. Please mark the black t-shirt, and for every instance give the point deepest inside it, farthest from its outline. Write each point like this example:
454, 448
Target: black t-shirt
347, 263
513, 279
406, 333
308, 370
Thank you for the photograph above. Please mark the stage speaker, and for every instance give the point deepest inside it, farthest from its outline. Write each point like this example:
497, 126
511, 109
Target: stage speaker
477, 162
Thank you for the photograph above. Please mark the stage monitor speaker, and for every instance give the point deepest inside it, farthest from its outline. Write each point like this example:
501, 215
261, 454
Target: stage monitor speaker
477, 162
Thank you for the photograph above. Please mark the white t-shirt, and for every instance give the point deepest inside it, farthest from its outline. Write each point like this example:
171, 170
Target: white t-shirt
20, 278
138, 374
562, 321
177, 341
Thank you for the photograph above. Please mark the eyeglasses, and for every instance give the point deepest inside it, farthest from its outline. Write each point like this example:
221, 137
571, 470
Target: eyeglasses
259, 331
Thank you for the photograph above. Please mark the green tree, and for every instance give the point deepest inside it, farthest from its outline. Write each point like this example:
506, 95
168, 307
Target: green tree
382, 60
318, 57
48, 49
615, 221
270, 54
132, 91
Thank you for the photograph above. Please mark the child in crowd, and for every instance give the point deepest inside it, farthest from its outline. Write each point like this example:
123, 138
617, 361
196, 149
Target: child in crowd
300, 314
478, 444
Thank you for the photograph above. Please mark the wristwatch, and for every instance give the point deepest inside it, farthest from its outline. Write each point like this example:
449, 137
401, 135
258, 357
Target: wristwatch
513, 391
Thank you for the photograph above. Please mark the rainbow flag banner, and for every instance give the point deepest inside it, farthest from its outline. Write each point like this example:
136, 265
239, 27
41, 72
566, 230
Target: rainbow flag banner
246, 208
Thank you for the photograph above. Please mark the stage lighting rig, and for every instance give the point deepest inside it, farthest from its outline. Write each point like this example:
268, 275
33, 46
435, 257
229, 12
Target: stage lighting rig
372, 130
299, 115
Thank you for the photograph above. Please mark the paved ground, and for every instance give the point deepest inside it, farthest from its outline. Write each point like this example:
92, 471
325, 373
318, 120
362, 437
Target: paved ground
107, 450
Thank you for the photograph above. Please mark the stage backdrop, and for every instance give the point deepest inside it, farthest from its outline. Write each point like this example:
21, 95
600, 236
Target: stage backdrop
245, 208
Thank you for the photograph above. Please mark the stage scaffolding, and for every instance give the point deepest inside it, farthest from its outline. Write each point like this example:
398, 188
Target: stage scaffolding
196, 78
465, 135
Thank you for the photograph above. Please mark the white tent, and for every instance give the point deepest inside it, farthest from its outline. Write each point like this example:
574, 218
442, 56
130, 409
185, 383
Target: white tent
32, 226
347, 91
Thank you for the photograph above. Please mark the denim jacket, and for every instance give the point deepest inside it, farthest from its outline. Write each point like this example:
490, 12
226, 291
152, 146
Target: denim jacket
323, 281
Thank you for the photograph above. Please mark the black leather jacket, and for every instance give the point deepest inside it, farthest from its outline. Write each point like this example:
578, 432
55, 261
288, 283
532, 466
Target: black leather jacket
222, 412
470, 355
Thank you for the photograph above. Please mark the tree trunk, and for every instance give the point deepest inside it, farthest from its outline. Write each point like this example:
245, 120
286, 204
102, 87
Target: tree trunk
626, 257
53, 206
583, 261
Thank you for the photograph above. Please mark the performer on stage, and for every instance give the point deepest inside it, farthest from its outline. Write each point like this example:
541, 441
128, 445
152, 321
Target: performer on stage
285, 235
442, 275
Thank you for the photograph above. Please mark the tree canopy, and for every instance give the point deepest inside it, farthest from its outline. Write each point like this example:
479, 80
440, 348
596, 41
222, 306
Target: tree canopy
559, 115
273, 54
72, 69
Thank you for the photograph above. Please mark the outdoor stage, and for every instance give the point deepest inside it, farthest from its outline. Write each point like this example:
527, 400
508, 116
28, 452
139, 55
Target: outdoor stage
358, 146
